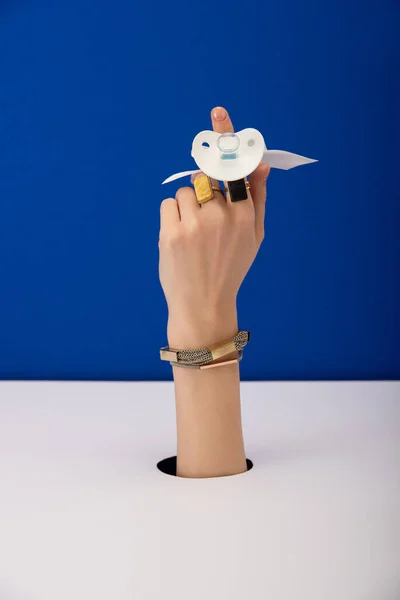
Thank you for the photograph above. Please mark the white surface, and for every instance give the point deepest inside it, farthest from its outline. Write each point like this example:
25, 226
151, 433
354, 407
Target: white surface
85, 514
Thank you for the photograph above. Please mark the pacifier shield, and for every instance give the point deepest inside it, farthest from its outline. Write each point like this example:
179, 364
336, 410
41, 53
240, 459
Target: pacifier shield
228, 156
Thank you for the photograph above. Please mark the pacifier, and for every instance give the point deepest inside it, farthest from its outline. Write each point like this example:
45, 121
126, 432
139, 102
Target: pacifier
228, 156
233, 156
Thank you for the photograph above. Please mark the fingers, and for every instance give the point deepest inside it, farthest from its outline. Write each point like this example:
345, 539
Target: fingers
221, 121
187, 203
169, 213
258, 189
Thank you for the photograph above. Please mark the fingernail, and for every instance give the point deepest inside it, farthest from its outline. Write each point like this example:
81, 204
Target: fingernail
219, 113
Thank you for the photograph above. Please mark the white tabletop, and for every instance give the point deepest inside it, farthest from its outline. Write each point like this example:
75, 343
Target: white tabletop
86, 515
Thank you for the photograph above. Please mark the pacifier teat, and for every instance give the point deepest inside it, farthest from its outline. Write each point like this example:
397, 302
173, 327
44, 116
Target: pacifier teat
228, 144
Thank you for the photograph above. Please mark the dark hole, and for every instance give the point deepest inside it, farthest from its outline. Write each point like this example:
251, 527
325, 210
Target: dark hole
168, 465
206, 144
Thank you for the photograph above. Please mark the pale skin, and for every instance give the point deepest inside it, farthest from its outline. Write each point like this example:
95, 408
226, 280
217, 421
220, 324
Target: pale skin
205, 253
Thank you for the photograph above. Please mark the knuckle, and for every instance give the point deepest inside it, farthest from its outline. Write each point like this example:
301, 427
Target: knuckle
244, 218
167, 202
193, 228
170, 237
184, 191
175, 236
219, 216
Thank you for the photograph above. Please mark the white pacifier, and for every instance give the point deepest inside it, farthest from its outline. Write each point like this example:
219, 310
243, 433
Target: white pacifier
228, 156
233, 156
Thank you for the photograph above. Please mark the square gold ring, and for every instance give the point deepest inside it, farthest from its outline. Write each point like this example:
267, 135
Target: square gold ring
203, 189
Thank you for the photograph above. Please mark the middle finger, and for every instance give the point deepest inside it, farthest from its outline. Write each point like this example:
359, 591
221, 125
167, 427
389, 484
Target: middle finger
222, 123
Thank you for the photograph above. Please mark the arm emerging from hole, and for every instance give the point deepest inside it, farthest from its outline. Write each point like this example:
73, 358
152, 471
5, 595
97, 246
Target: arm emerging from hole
206, 251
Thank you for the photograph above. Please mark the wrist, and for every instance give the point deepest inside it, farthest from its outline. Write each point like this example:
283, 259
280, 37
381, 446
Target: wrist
201, 330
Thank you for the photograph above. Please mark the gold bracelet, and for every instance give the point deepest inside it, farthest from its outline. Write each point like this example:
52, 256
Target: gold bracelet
211, 365
204, 356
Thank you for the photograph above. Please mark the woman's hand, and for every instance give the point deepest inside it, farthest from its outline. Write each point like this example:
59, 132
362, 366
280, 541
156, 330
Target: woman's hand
205, 252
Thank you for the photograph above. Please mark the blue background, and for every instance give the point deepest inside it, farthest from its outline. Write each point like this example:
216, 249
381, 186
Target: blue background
84, 84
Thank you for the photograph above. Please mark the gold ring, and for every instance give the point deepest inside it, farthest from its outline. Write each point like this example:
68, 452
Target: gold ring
204, 190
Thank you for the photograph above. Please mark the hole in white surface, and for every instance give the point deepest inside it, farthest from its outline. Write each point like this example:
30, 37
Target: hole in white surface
205, 145
168, 466
251, 143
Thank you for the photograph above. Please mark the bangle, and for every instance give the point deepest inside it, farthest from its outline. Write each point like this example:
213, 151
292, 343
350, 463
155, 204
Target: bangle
204, 356
210, 365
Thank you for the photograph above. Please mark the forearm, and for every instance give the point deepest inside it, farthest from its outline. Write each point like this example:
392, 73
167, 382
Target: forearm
209, 427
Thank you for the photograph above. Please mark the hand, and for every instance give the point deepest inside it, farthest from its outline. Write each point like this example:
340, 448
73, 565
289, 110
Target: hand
205, 253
